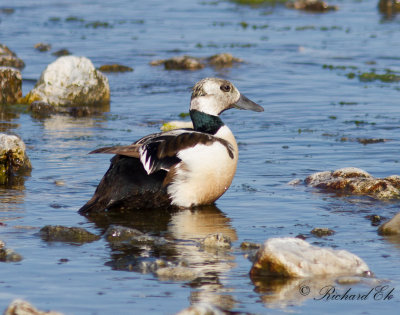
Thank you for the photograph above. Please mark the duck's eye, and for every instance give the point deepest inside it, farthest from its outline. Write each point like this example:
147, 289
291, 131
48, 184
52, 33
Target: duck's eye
225, 87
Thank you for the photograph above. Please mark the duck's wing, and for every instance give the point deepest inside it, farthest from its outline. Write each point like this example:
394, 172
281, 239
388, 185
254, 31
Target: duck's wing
160, 151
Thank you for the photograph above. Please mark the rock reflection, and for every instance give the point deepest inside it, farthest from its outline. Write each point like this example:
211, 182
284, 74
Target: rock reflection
169, 244
284, 292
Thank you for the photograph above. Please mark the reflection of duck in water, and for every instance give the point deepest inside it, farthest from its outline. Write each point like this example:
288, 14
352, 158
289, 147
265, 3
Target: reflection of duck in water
180, 168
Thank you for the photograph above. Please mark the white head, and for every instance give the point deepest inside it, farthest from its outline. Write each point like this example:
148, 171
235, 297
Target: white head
212, 96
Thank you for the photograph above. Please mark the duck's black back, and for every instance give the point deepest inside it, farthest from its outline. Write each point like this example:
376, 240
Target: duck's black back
127, 186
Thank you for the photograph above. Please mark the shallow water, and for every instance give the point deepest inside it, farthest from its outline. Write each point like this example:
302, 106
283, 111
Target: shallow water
313, 116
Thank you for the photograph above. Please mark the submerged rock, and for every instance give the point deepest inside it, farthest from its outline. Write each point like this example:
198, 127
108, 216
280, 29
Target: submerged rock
351, 180
71, 81
117, 234
62, 52
58, 233
217, 240
194, 63
115, 68
320, 232
41, 109
311, 5
10, 85
8, 255
13, 158
9, 59
42, 47
392, 227
20, 307
294, 258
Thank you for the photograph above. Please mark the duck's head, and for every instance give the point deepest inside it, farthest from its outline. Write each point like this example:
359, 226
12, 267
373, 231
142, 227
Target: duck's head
213, 96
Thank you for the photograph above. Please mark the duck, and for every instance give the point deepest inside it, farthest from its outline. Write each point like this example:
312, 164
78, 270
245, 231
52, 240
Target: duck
181, 168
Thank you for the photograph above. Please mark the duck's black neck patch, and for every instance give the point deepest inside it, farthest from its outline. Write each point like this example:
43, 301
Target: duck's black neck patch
205, 123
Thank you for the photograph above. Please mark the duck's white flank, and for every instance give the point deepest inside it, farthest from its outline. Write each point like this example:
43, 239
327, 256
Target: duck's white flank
205, 172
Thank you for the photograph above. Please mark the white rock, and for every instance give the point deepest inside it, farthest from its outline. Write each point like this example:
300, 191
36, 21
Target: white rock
71, 80
20, 307
293, 257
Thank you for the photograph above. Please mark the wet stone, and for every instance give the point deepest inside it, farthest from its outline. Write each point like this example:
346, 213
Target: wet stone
58, 233
13, 158
218, 240
118, 235
20, 307
292, 257
389, 7
8, 255
42, 47
351, 180
321, 232
41, 109
392, 227
311, 5
9, 59
115, 68
10, 85
249, 246
71, 81
194, 63
375, 219
62, 52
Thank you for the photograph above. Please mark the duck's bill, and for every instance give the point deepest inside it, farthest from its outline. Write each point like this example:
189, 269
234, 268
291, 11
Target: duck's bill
245, 103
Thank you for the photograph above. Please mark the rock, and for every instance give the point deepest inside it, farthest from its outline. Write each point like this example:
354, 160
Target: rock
294, 258
375, 219
58, 233
193, 63
180, 63
61, 52
42, 47
176, 124
8, 255
116, 235
389, 7
392, 227
351, 180
217, 240
41, 109
311, 5
13, 158
115, 68
223, 60
10, 85
20, 307
71, 81
177, 273
249, 246
320, 232
202, 309
9, 58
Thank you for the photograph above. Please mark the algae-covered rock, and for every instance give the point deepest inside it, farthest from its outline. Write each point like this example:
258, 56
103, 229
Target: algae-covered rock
71, 81
9, 59
392, 227
20, 307
180, 63
58, 233
62, 52
13, 158
10, 85
115, 68
294, 258
8, 255
194, 63
311, 5
320, 232
351, 180
42, 47
41, 109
